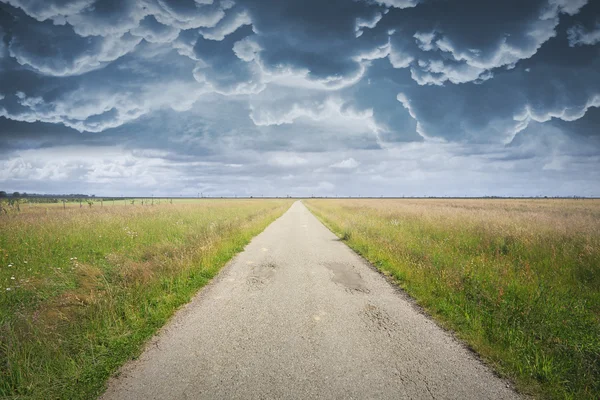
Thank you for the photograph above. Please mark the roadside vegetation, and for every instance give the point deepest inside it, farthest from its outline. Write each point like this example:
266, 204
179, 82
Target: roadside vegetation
518, 280
83, 286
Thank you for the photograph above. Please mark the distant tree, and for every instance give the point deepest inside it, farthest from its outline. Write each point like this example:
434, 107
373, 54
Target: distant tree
3, 194
16, 194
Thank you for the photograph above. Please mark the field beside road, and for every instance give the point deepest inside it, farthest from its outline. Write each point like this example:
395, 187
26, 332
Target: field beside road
518, 280
82, 288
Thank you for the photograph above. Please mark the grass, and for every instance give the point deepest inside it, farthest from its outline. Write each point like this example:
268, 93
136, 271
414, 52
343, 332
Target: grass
518, 280
81, 289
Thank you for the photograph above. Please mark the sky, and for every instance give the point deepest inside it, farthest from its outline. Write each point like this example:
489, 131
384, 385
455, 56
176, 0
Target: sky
300, 97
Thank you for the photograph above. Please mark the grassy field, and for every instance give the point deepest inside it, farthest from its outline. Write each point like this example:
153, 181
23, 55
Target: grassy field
519, 280
82, 288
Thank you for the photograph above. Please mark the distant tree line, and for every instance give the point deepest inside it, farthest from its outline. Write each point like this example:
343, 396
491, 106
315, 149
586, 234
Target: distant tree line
3, 194
35, 195
45, 198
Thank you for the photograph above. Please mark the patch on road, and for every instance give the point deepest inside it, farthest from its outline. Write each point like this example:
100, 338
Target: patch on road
260, 276
379, 319
343, 274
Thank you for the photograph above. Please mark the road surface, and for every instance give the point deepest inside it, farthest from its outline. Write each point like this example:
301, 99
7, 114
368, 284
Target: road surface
299, 315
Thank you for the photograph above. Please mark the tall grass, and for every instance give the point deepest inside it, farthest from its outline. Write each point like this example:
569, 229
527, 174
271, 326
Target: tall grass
518, 280
81, 289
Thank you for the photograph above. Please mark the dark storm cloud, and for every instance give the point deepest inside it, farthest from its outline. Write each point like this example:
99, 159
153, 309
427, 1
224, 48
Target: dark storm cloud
298, 91
222, 69
332, 43
313, 35
559, 82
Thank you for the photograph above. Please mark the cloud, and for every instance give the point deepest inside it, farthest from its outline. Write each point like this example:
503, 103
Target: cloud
98, 104
76, 37
469, 51
550, 156
221, 69
287, 160
92, 166
102, 18
578, 36
401, 97
362, 23
59, 51
2, 45
43, 10
290, 39
232, 21
298, 94
155, 32
105, 18
349, 163
233, 60
190, 14
398, 3
327, 110
319, 113
538, 89
246, 49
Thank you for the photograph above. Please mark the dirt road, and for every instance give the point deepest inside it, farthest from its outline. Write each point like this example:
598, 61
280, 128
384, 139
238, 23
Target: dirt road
299, 315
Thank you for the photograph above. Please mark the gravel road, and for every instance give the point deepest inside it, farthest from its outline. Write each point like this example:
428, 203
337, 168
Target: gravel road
299, 315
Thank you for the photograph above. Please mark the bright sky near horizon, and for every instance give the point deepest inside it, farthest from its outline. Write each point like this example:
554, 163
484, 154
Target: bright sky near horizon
300, 97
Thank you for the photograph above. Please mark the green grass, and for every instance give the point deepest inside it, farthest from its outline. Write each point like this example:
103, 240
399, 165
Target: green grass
82, 289
517, 280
